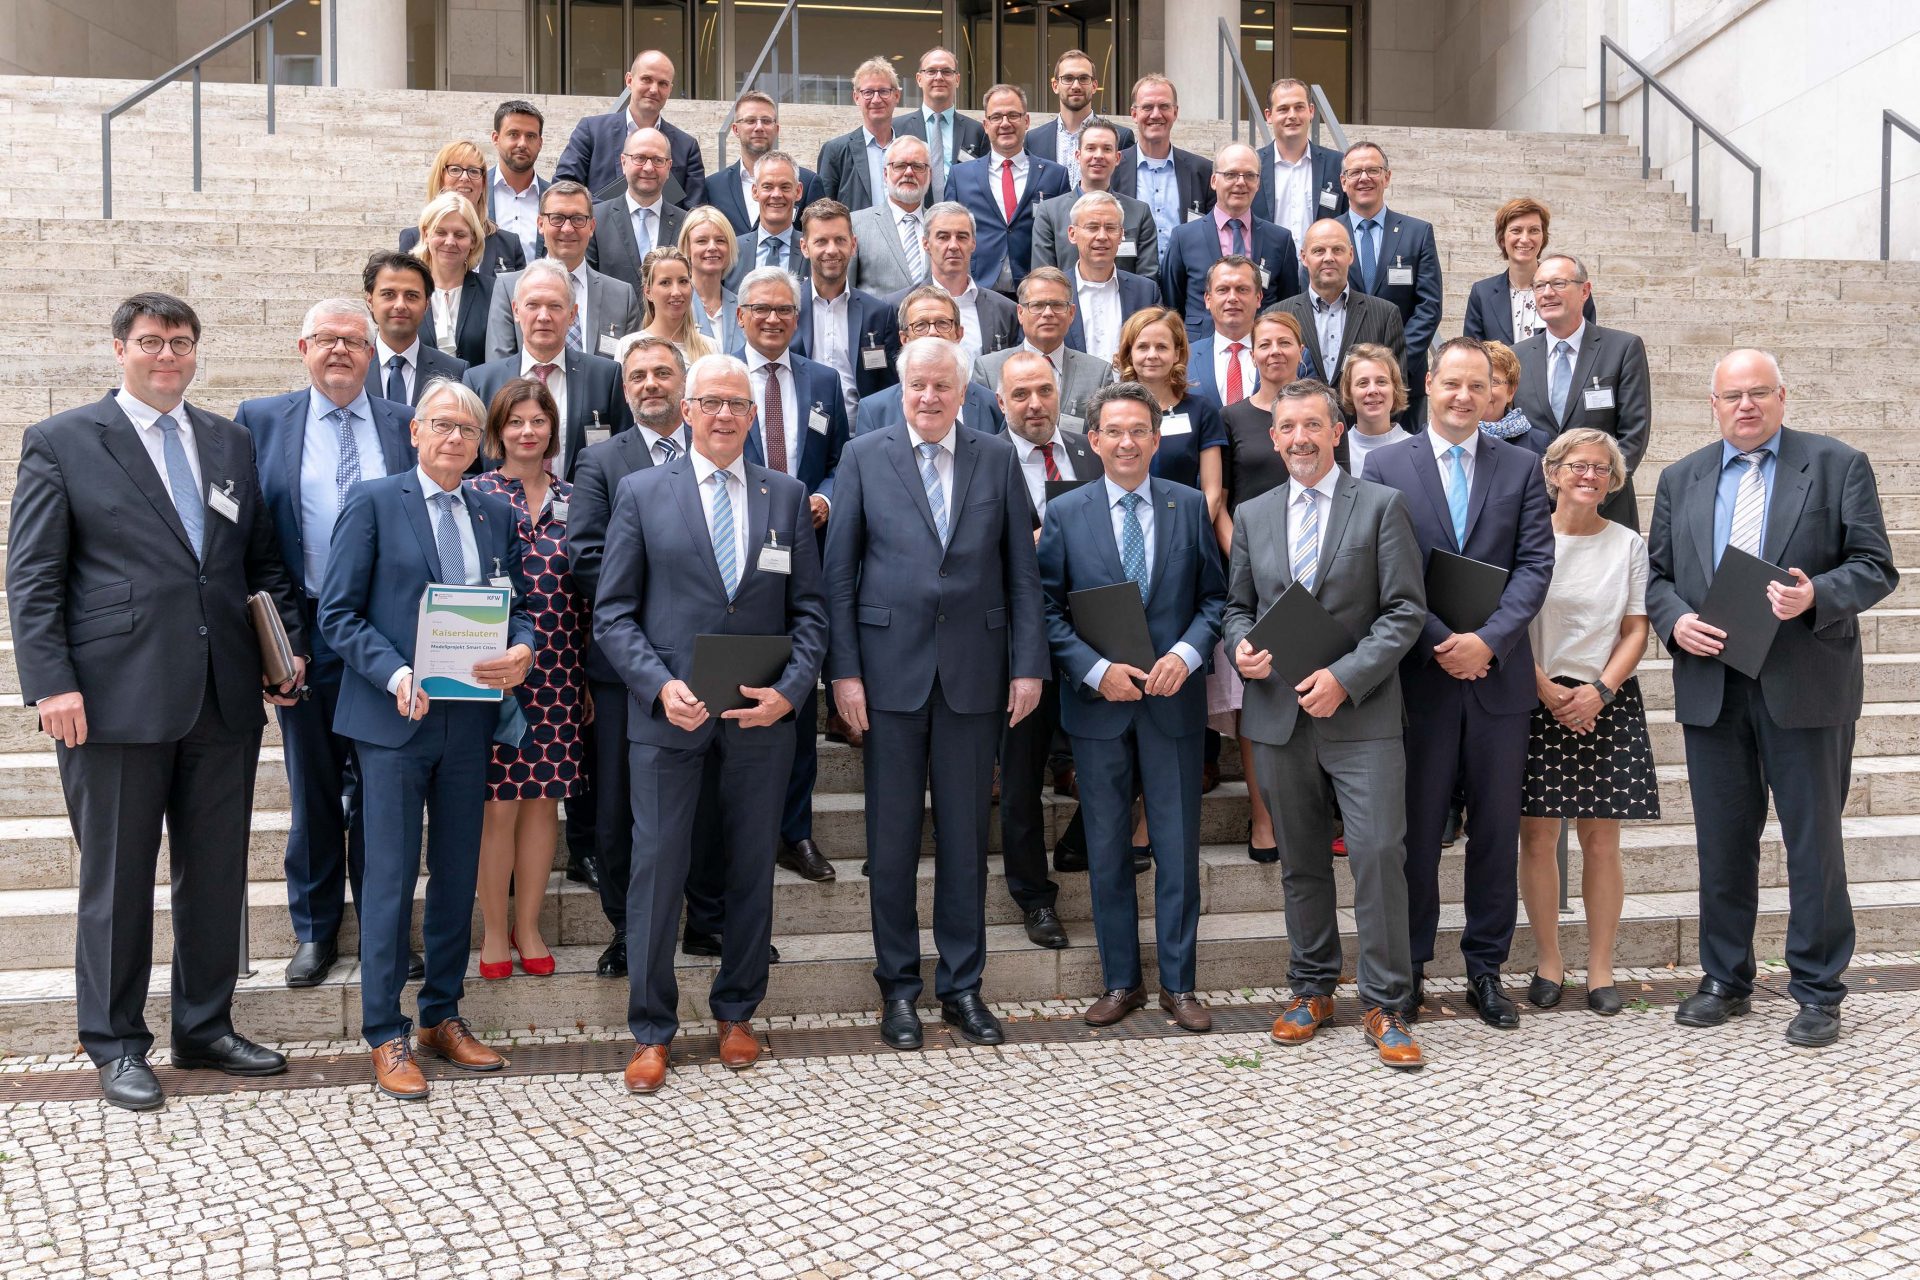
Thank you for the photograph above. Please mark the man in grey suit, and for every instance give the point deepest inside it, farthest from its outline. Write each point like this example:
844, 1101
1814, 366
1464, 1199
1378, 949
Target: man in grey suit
1809, 504
850, 166
1336, 734
607, 309
1334, 316
989, 321
892, 232
1098, 152
775, 242
639, 219
937, 645
1576, 374
1046, 314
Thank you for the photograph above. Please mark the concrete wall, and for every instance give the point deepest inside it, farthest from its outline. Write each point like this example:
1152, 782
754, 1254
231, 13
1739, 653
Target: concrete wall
487, 45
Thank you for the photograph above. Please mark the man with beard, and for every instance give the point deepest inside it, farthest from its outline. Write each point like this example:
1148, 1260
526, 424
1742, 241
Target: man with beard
1058, 140
513, 188
848, 329
892, 253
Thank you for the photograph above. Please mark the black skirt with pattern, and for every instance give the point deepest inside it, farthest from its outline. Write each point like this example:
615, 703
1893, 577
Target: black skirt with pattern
1607, 773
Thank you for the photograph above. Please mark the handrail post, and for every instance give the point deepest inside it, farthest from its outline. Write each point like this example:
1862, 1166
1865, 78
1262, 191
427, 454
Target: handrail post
1603, 86
1220, 83
106, 165
270, 69
1695, 189
196, 127
1886, 186
333, 44
1646, 129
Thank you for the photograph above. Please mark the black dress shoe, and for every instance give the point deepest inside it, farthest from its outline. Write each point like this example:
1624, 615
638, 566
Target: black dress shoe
1542, 994
1419, 997
804, 859
130, 1083
1484, 994
1258, 854
1604, 1001
900, 1025
1456, 824
416, 966
695, 943
1142, 858
1069, 858
312, 962
231, 1054
968, 1014
1043, 929
1711, 1005
584, 870
1814, 1026
613, 961
866, 867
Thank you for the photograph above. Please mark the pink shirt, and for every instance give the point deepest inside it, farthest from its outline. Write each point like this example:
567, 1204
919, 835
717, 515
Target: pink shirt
1220, 220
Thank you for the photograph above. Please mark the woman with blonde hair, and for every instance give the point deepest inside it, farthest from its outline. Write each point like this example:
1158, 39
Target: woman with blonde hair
450, 240
707, 239
666, 287
460, 167
1372, 392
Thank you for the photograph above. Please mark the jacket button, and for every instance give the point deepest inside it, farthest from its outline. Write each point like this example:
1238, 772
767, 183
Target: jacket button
729, 608
941, 618
943, 573
203, 579
203, 631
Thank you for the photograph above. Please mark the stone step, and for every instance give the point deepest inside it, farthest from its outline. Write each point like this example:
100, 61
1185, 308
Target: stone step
1884, 729
1890, 677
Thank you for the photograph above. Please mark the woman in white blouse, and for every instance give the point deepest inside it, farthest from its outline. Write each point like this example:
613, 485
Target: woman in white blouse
1371, 392
1588, 758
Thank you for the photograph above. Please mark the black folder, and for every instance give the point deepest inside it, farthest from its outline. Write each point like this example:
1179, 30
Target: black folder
1114, 621
1737, 604
1463, 593
1302, 636
1061, 488
721, 664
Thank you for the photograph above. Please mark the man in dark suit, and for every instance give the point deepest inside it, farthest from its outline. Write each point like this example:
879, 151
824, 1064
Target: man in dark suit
1104, 295
137, 534
951, 138
850, 330
608, 308
1046, 317
591, 155
395, 536
1001, 191
1175, 183
707, 543
756, 127
1395, 258
1154, 534
930, 311
1299, 180
852, 166
1576, 374
1334, 316
638, 220
937, 645
514, 188
1231, 228
1469, 694
1808, 503
776, 241
1075, 86
1138, 248
1336, 733
397, 286
586, 387
989, 321
311, 446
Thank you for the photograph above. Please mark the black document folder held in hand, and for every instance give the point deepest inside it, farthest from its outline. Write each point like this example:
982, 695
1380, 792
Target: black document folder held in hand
1463, 593
1114, 621
1058, 489
1302, 636
1737, 604
721, 664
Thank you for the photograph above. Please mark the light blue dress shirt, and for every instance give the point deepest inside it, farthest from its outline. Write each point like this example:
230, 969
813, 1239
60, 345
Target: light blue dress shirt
1158, 185
1728, 491
319, 460
876, 166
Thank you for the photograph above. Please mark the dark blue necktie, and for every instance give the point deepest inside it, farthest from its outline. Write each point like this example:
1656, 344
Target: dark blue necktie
396, 379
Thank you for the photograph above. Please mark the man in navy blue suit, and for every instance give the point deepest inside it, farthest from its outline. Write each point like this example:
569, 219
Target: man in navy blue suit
397, 286
1001, 190
706, 543
1231, 228
756, 127
1299, 179
592, 155
311, 446
1394, 257
1469, 694
1076, 85
937, 646
1155, 534
847, 329
395, 536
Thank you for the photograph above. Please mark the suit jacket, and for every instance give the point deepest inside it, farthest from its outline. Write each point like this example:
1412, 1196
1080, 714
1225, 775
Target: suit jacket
998, 317
615, 250
1326, 180
596, 479
1185, 595
842, 171
793, 262
969, 140
501, 253
1200, 375
871, 324
995, 239
905, 612
592, 156
1195, 246
659, 588
979, 412
613, 310
1409, 242
1084, 375
1490, 310
1824, 519
1192, 174
817, 387
1370, 577
880, 264
723, 193
105, 595
432, 363
1136, 294
1043, 140
1611, 359
1508, 525
1051, 248
470, 326
384, 555
279, 427
593, 389
1368, 319
1070, 433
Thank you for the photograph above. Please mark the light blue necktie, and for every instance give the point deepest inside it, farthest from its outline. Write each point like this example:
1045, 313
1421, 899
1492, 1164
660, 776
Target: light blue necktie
724, 556
936, 494
1562, 379
1363, 241
453, 561
1457, 494
346, 472
1306, 546
641, 236
1133, 542
186, 498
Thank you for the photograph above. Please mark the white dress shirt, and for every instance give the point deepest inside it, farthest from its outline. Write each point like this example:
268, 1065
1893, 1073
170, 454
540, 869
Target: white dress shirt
319, 461
154, 441
1249, 373
556, 384
469, 547
653, 212
1293, 192
793, 414
1441, 445
1034, 469
409, 365
516, 211
747, 197
971, 331
446, 317
1100, 318
1322, 504
652, 439
942, 467
1144, 517
830, 320
703, 468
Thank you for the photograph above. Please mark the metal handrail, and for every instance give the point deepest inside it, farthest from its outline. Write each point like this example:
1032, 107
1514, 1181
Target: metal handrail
192, 64
1649, 80
1889, 121
787, 15
1229, 51
1324, 109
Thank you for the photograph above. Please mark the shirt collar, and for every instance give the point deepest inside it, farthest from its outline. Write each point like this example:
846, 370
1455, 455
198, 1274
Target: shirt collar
756, 361
1338, 304
1355, 218
871, 140
1324, 486
430, 486
1281, 162
528, 360
634, 205
411, 354
1220, 217
1018, 160
1056, 357
1728, 452
1145, 161
1115, 492
1112, 282
915, 439
1027, 448
703, 467
1573, 340
650, 437
318, 406
1471, 444
145, 415
929, 114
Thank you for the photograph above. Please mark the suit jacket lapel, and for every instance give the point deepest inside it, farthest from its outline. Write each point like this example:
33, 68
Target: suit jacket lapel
1427, 466
1582, 371
211, 445
686, 492
395, 447
1790, 489
1533, 376
1389, 245
1100, 525
900, 449
415, 505
1483, 468
577, 411
122, 440
966, 458
1697, 510
1338, 512
1310, 330
1164, 509
293, 443
758, 519
485, 540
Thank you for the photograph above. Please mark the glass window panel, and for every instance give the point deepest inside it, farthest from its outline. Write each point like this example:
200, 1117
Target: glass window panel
596, 35
834, 39
1257, 43
546, 46
1323, 52
1086, 25
1019, 40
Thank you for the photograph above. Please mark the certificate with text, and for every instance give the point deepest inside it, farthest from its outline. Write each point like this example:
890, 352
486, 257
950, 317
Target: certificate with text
458, 627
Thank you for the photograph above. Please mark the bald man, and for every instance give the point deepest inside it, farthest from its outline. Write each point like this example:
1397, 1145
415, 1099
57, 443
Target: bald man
1231, 228
593, 152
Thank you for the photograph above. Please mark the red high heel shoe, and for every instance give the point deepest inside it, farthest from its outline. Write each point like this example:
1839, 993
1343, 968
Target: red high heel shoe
534, 966
495, 972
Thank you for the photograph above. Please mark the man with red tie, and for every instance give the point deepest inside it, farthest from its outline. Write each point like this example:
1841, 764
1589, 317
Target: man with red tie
1222, 366
1001, 189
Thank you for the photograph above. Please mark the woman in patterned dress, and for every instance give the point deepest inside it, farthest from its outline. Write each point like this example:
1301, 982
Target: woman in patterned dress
525, 784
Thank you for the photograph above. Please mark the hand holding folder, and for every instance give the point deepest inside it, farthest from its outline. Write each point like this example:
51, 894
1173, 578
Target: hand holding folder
1739, 605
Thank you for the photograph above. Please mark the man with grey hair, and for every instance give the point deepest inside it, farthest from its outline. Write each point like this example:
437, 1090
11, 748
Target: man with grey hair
892, 232
1047, 316
776, 241
928, 311
311, 446
988, 321
1137, 246
936, 645
852, 166
606, 308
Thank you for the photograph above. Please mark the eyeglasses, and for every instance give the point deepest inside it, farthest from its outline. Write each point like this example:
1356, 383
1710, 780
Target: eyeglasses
639, 161
874, 94
153, 344
760, 310
1048, 305
755, 122
714, 406
1006, 117
335, 341
463, 171
1371, 171
921, 328
1154, 108
1139, 435
1237, 175
1759, 395
578, 221
446, 426
1556, 286
1598, 470
939, 73
1083, 79
906, 166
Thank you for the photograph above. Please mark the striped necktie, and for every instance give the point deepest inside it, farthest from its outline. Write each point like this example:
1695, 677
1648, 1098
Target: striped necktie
1306, 543
1749, 505
725, 557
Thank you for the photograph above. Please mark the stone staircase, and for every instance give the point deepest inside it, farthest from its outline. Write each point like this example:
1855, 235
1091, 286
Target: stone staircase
287, 219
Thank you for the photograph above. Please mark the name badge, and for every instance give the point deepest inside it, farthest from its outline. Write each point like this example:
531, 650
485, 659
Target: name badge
1266, 279
559, 509
225, 503
775, 559
1175, 424
609, 346
1400, 276
1597, 397
873, 359
1193, 215
598, 435
501, 582
817, 421
1329, 201
1129, 249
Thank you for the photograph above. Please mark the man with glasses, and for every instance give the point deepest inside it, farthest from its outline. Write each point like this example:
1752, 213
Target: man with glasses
1394, 257
311, 446
892, 233
1231, 229
930, 312
1577, 374
951, 138
1175, 183
592, 154
419, 753
513, 187
137, 534
639, 219
1299, 179
1136, 244
1104, 295
1001, 191
756, 128
1058, 140
1046, 316
776, 241
853, 165
605, 308
1809, 504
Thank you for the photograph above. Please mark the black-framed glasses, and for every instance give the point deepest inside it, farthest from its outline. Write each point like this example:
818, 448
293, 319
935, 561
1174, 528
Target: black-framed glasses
760, 310
1598, 470
153, 344
335, 341
578, 221
463, 171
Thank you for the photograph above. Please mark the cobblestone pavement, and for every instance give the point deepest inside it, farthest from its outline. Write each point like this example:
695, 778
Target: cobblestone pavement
1576, 1146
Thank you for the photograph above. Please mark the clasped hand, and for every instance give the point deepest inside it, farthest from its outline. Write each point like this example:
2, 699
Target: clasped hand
1121, 682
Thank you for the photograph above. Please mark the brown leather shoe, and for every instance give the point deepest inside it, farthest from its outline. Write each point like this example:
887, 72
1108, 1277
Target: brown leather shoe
647, 1069
1186, 1011
838, 730
1388, 1032
1065, 783
739, 1047
1301, 1019
1115, 1005
395, 1073
454, 1041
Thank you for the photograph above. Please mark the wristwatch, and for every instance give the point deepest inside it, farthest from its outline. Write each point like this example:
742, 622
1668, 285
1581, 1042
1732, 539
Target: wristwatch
1606, 695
